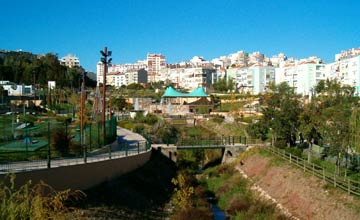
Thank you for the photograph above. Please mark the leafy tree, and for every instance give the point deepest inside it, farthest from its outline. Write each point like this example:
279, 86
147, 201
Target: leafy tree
135, 86
310, 118
281, 114
182, 193
220, 86
119, 102
24, 67
355, 128
327, 117
258, 130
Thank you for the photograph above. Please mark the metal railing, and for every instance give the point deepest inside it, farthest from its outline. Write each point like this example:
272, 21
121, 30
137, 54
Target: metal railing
105, 153
341, 182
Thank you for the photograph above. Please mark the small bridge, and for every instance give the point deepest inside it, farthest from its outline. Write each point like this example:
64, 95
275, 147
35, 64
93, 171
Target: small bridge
230, 146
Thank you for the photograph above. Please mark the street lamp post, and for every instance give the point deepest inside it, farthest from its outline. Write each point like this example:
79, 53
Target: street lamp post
105, 54
82, 112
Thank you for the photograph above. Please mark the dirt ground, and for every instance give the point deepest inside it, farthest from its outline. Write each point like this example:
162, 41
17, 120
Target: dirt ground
304, 196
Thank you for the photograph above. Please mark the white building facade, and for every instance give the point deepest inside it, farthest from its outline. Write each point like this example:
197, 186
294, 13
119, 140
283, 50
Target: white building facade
155, 62
346, 70
114, 70
254, 79
303, 76
192, 78
70, 61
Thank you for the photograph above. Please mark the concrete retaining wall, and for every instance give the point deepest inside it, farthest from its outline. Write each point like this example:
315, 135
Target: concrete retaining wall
83, 176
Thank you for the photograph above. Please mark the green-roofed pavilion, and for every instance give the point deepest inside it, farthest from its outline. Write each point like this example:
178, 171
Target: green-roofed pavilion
170, 92
183, 103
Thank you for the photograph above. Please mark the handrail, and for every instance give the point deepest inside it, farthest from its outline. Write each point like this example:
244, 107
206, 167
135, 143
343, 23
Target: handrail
352, 187
124, 151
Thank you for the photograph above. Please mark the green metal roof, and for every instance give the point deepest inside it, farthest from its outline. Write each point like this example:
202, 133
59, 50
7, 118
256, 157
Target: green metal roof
171, 92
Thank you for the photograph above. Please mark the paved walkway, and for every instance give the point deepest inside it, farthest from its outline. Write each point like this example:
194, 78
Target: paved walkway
124, 136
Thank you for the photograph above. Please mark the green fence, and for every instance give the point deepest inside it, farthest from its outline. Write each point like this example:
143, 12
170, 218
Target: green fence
51, 139
344, 183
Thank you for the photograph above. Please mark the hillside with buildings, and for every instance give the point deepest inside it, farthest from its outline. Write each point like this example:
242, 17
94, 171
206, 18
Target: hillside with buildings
251, 73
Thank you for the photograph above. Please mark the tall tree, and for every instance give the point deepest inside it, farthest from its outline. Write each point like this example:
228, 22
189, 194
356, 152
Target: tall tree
329, 114
280, 115
282, 112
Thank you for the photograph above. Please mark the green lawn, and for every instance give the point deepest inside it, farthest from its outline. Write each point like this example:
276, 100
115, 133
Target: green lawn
20, 145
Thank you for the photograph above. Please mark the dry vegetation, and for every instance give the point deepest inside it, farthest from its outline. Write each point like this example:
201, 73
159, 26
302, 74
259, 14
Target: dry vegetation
38, 201
305, 196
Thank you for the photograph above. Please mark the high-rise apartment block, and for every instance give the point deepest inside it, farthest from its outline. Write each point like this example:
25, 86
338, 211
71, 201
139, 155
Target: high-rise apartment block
253, 79
346, 69
155, 62
302, 76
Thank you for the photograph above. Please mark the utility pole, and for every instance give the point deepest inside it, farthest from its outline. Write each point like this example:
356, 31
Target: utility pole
82, 112
34, 86
105, 54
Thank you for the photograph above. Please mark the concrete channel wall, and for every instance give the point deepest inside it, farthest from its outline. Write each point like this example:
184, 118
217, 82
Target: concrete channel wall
82, 176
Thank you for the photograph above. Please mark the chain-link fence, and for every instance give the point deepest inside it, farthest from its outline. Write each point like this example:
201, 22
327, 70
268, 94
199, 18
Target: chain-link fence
42, 142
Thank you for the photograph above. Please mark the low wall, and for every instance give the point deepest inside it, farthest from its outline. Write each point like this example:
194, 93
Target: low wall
82, 176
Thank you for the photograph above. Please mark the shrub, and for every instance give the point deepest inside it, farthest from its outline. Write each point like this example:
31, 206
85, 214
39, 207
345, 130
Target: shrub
226, 169
238, 203
295, 151
201, 213
139, 128
182, 193
61, 141
218, 119
38, 201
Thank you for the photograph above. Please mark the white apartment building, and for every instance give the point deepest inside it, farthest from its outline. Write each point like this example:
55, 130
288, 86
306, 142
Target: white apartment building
305, 74
278, 60
115, 69
131, 77
70, 61
240, 58
155, 62
222, 61
346, 54
170, 74
118, 79
254, 79
256, 58
99, 72
346, 70
302, 76
192, 78
122, 68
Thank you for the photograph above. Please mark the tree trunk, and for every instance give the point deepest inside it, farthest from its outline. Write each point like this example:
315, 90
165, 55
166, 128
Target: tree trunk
310, 150
338, 164
346, 161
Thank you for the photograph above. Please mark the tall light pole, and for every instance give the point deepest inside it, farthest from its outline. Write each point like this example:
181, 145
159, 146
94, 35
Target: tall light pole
104, 59
82, 112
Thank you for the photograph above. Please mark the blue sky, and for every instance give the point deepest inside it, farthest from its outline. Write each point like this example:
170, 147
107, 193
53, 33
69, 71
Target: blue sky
179, 29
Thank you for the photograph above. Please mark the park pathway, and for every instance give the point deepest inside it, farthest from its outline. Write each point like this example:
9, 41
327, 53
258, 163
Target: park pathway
124, 137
